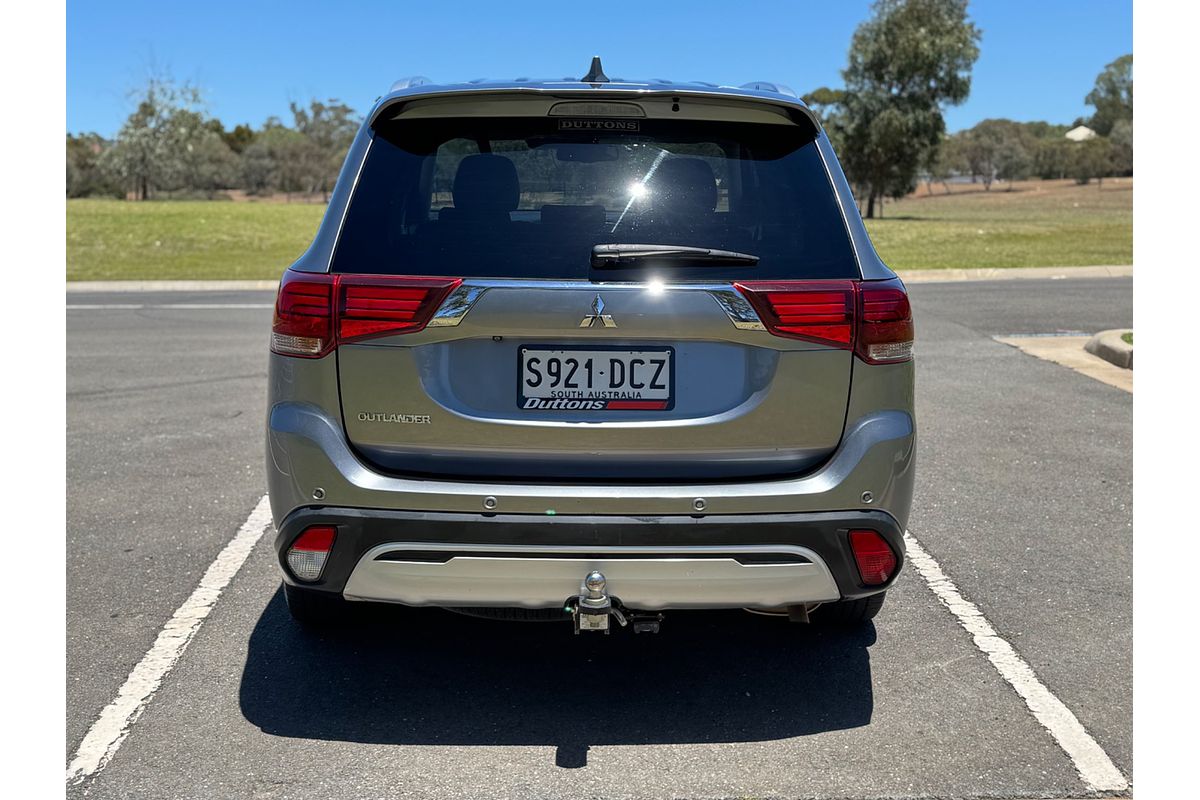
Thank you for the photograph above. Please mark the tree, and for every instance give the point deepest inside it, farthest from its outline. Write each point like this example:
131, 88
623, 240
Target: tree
1121, 138
85, 176
911, 58
1113, 96
329, 129
997, 149
1090, 159
168, 143
1051, 158
280, 160
239, 138
944, 161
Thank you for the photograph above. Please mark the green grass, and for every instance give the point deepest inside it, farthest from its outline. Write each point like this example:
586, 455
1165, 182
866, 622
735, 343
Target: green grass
1127, 338
1042, 224
118, 240
1038, 224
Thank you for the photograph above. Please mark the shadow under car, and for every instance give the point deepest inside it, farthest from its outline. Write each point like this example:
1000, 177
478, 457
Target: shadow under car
395, 675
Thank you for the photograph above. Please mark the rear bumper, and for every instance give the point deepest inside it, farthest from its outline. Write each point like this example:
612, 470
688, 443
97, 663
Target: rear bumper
307, 451
730, 561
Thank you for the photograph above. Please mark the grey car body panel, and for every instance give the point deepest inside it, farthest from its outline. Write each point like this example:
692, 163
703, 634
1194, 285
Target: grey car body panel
848, 431
307, 449
735, 415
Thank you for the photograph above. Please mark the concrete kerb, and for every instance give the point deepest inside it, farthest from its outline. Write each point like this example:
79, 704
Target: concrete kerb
1111, 347
1012, 273
171, 286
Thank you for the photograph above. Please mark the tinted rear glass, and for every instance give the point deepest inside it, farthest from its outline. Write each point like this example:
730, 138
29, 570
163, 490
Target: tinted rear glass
524, 198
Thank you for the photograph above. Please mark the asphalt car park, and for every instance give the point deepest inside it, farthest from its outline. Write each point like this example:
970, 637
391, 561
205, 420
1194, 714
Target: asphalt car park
1023, 500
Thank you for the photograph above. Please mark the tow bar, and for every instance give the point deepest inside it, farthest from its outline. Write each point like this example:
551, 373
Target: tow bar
592, 609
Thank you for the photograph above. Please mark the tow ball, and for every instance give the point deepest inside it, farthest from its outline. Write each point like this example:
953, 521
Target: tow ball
593, 609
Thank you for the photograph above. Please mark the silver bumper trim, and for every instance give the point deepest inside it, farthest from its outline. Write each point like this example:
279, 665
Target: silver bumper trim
530, 576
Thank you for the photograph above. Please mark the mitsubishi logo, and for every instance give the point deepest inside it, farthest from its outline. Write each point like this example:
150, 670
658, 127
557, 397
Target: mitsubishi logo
597, 316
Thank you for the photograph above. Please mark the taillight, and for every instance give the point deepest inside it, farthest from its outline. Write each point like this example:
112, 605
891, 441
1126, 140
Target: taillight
876, 561
315, 312
310, 551
376, 306
815, 311
873, 318
885, 324
303, 323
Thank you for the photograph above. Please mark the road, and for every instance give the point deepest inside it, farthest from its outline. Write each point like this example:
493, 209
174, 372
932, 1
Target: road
1024, 499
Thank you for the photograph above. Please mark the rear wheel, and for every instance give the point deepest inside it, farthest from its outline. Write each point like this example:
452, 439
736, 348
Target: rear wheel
848, 613
313, 609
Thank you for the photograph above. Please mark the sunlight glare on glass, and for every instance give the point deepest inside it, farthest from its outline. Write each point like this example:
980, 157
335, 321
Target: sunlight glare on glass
655, 286
637, 190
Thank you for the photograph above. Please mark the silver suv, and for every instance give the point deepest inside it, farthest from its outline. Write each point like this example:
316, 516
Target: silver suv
592, 350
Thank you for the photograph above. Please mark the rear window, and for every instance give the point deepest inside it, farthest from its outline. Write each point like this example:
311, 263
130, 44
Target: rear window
522, 198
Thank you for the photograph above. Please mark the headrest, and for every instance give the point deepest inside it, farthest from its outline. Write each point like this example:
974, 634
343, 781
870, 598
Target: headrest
686, 184
486, 183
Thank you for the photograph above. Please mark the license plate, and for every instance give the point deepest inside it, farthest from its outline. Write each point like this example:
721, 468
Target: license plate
551, 378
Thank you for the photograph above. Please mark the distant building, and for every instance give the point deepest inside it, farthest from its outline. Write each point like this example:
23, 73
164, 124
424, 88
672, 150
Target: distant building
1081, 134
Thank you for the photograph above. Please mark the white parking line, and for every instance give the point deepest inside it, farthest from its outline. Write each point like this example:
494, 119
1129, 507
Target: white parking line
109, 731
1096, 769
136, 306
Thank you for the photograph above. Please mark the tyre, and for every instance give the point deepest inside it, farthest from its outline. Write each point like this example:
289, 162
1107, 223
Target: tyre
848, 613
313, 609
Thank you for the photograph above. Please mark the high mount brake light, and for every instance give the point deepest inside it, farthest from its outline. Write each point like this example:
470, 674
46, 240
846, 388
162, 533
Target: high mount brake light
872, 318
315, 312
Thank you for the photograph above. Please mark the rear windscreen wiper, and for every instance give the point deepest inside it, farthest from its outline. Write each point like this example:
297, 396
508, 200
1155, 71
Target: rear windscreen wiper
611, 256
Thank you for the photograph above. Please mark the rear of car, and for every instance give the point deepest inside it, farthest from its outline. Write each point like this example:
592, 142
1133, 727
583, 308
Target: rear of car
550, 334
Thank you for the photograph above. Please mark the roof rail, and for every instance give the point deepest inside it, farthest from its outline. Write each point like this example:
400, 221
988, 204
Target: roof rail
768, 86
409, 82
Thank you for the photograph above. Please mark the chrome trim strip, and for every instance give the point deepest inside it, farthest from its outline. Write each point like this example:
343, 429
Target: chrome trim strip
738, 308
456, 305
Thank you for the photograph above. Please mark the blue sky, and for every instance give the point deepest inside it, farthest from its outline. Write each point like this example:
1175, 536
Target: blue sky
1038, 59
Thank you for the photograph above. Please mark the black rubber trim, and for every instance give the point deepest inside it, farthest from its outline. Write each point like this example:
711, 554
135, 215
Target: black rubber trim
360, 530
442, 556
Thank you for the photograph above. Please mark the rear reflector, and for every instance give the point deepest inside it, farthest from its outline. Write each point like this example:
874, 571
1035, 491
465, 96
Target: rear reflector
315, 312
872, 318
310, 551
876, 561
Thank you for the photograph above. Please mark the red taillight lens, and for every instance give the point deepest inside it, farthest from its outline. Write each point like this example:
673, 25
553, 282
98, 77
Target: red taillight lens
303, 323
371, 306
876, 561
885, 326
815, 311
310, 551
306, 324
871, 317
